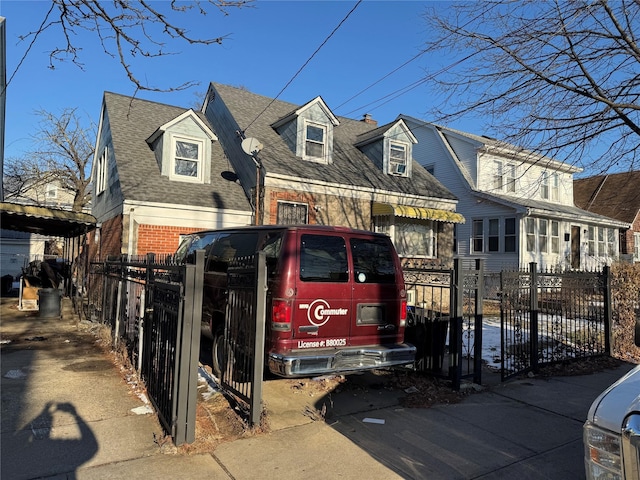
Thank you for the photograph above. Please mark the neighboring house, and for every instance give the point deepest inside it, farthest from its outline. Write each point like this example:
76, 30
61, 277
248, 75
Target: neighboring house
159, 171
302, 164
617, 196
518, 205
18, 249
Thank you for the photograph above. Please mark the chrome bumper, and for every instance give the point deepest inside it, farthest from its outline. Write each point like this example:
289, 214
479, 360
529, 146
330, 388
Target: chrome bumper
323, 362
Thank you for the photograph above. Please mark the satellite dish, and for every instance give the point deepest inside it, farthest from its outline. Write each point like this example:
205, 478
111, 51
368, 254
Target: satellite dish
251, 146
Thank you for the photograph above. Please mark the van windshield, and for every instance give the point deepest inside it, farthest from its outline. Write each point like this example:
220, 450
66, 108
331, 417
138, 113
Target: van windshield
373, 261
186, 250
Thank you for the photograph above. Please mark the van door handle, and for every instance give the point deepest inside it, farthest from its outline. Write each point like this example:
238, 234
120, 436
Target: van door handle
309, 329
388, 326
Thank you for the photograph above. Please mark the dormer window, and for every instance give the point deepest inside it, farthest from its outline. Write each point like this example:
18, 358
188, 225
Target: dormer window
183, 148
52, 191
187, 160
315, 141
397, 159
308, 131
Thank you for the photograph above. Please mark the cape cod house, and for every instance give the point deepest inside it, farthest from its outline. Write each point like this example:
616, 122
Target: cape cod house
617, 196
159, 171
519, 206
303, 164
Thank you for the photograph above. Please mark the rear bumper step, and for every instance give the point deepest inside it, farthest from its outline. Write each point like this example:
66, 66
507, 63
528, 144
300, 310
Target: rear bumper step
354, 359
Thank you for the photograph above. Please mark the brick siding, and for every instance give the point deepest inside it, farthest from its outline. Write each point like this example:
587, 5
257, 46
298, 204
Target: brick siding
159, 238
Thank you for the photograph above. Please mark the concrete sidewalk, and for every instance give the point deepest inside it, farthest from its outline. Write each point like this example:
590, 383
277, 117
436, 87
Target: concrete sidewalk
67, 412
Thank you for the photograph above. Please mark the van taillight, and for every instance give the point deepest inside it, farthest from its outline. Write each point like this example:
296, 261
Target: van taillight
403, 312
281, 315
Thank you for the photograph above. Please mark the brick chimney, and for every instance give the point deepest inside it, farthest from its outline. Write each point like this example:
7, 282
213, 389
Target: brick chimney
366, 118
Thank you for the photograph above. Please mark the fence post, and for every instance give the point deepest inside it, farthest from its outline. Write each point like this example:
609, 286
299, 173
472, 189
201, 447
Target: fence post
606, 272
533, 315
455, 337
116, 339
258, 353
477, 326
189, 350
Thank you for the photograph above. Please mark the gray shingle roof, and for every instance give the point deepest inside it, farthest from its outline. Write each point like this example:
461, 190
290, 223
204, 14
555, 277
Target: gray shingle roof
132, 121
350, 166
550, 208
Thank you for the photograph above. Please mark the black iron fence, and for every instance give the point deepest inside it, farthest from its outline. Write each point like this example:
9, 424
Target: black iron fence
153, 307
550, 317
244, 336
444, 320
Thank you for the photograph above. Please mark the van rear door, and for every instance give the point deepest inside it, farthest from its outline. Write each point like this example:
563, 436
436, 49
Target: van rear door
376, 296
322, 309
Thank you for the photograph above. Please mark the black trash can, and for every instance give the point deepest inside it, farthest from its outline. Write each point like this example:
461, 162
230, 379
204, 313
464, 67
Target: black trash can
49, 302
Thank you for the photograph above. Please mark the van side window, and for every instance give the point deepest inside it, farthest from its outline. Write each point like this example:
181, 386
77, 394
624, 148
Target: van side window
372, 261
230, 246
323, 259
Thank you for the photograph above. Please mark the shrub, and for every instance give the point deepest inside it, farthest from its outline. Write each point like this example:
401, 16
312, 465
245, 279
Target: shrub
625, 299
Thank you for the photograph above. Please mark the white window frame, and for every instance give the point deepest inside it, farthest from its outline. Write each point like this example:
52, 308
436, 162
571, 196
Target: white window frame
51, 191
636, 246
173, 175
323, 158
591, 241
544, 185
511, 175
498, 176
398, 166
101, 172
555, 236
610, 242
602, 235
530, 234
543, 235
555, 187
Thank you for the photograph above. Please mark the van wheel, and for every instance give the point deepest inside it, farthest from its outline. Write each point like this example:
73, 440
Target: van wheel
218, 353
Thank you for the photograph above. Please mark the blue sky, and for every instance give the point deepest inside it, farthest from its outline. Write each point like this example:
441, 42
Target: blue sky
265, 47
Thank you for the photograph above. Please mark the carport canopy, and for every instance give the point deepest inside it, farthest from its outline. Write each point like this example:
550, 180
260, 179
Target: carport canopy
45, 221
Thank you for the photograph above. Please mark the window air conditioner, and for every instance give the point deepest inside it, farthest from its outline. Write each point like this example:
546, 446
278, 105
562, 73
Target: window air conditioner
399, 168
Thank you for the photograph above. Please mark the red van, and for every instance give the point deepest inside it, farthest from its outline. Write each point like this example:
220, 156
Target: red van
336, 299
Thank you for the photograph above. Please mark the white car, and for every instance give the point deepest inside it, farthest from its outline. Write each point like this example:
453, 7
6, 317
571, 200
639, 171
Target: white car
612, 431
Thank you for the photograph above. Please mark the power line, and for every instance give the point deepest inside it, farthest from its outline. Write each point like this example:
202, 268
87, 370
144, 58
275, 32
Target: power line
305, 64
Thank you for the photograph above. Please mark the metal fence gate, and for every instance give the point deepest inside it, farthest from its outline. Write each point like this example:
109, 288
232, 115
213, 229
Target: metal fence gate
245, 332
444, 320
549, 317
154, 307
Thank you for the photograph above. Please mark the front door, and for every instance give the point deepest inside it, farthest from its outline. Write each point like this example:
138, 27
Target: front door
575, 247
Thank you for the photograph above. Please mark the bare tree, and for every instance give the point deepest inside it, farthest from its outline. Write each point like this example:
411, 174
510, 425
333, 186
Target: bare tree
126, 29
558, 77
64, 154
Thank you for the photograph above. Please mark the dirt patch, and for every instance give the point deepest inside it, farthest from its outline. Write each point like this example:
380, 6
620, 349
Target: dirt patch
586, 366
217, 422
